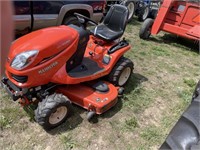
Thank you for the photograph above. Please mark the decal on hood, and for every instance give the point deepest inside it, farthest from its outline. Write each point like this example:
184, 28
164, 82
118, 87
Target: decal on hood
48, 68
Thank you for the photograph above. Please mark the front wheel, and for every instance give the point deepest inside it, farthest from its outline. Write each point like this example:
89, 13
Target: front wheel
121, 72
52, 111
145, 30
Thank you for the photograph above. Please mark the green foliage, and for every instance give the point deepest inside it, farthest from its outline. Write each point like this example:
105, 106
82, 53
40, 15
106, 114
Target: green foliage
5, 122
67, 141
151, 134
131, 124
160, 51
189, 82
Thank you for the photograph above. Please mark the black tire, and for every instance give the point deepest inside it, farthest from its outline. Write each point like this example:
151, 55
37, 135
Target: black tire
122, 65
71, 20
48, 107
144, 14
145, 30
153, 13
131, 8
186, 133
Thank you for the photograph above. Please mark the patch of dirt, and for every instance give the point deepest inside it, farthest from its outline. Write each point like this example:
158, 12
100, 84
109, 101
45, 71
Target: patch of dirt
153, 114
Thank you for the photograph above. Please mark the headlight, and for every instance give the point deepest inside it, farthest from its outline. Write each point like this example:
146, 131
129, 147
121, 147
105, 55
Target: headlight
24, 59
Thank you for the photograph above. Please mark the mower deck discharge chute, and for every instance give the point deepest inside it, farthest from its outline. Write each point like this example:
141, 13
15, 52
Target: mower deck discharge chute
54, 67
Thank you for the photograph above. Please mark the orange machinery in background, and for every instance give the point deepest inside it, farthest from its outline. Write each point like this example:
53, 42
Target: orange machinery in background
177, 17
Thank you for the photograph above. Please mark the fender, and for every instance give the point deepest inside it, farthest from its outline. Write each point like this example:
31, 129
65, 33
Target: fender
68, 7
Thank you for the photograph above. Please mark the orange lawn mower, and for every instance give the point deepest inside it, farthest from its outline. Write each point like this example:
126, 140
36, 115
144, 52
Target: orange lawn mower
177, 17
56, 66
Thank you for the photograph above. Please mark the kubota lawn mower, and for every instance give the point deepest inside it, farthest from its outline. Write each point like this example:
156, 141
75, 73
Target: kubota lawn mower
56, 66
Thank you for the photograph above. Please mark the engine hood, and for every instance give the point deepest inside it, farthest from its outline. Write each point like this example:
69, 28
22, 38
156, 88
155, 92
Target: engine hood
49, 41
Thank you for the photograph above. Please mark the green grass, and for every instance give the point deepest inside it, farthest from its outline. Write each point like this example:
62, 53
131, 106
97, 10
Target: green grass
166, 71
67, 142
5, 122
160, 51
151, 134
189, 82
131, 124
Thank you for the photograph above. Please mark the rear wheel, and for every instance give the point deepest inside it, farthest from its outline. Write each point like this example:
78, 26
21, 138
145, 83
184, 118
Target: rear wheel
144, 14
145, 30
71, 20
121, 73
52, 111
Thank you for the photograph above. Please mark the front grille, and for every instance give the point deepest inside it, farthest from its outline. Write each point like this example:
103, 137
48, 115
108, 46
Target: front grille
21, 79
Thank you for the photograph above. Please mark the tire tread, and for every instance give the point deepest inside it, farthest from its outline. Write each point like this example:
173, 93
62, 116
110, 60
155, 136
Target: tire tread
118, 68
46, 106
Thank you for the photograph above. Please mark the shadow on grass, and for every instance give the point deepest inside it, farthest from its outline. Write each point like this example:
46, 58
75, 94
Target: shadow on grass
135, 81
178, 42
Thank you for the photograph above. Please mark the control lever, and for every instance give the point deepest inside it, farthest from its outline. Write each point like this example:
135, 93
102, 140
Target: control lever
118, 46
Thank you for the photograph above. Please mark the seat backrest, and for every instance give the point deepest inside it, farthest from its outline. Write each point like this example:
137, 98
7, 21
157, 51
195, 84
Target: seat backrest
116, 17
77, 57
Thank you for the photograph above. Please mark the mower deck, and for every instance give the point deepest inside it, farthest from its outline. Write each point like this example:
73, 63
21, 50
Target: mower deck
86, 96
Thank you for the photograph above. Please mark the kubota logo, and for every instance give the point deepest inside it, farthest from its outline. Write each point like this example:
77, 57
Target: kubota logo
48, 68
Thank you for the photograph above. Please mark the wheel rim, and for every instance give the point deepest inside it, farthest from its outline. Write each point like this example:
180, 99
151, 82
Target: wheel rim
146, 11
58, 115
131, 8
124, 76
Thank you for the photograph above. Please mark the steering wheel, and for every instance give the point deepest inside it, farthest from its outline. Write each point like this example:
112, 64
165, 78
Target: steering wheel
84, 20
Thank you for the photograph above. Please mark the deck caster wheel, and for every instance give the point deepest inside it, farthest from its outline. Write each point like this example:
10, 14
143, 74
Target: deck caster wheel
120, 92
90, 115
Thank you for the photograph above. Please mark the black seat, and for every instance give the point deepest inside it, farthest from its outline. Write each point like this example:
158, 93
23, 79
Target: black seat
114, 23
77, 57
